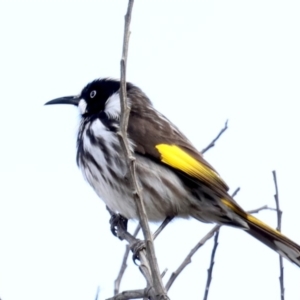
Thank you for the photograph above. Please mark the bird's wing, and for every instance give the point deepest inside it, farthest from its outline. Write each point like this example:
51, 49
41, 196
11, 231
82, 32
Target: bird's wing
161, 141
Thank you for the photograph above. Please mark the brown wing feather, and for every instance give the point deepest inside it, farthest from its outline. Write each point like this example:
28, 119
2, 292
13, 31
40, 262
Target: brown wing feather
148, 128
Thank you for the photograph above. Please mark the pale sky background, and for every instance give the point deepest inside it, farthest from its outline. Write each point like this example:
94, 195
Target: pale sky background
201, 62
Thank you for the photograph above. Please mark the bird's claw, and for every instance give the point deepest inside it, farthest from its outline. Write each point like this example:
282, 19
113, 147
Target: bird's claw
117, 222
136, 247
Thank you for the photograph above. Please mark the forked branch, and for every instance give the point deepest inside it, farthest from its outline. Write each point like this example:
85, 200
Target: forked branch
188, 259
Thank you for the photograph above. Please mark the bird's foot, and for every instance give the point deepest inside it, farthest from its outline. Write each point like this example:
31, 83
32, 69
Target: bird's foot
136, 247
118, 223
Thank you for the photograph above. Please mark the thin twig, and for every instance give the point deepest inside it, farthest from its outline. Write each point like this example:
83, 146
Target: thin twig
279, 216
164, 273
212, 143
130, 160
276, 197
257, 210
188, 259
122, 270
166, 221
213, 254
124, 263
235, 192
211, 267
97, 294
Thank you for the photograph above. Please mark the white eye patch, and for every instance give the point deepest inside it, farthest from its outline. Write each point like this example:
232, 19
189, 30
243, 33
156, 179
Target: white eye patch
82, 106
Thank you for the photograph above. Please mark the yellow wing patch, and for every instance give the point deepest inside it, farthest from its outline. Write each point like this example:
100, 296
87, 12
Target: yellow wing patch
179, 159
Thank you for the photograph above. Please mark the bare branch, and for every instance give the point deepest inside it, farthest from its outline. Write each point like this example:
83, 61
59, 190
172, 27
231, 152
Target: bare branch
257, 210
137, 193
211, 267
276, 197
134, 294
279, 215
124, 264
213, 254
212, 143
188, 259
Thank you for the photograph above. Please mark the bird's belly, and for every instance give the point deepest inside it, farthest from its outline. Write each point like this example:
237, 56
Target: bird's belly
100, 158
163, 192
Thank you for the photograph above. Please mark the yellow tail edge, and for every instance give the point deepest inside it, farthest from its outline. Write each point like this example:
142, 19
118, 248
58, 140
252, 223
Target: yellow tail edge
267, 235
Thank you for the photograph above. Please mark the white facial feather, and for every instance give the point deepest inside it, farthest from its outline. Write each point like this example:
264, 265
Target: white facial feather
82, 106
112, 106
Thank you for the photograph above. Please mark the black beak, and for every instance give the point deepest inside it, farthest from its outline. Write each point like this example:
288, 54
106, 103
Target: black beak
74, 100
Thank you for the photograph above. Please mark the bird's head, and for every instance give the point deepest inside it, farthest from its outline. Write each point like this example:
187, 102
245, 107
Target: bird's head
101, 95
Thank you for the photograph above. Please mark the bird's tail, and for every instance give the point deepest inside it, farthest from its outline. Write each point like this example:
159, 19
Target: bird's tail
274, 239
267, 235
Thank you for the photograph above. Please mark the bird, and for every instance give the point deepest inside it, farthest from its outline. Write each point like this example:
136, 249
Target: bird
176, 180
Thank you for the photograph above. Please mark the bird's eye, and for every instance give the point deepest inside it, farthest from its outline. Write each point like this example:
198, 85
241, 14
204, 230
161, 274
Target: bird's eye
93, 94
